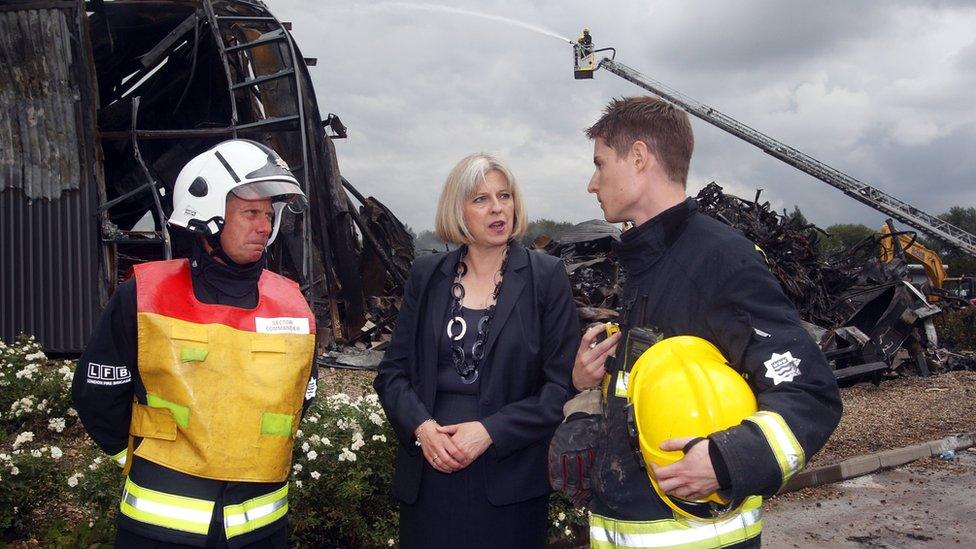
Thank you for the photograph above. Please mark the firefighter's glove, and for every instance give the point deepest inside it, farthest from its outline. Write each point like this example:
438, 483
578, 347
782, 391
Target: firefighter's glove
572, 453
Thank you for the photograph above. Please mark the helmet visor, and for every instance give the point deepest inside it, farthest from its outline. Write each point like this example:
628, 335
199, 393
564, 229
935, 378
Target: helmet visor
276, 190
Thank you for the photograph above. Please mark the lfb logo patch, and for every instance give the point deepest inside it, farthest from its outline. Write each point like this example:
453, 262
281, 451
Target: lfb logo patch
104, 374
782, 367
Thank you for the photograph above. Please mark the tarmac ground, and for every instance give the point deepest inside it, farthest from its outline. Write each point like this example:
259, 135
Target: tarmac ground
930, 503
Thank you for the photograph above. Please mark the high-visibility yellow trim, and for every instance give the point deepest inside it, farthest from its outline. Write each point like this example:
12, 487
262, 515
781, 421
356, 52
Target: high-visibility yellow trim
180, 413
255, 513
276, 424
620, 388
680, 532
167, 510
120, 457
787, 450
193, 354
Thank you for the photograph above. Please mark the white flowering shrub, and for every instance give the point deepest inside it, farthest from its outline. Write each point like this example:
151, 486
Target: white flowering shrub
39, 435
33, 389
342, 474
59, 489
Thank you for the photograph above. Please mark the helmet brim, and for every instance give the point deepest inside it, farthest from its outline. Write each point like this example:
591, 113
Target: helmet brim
275, 189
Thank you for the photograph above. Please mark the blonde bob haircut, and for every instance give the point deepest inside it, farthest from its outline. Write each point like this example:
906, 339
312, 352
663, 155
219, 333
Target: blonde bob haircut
462, 184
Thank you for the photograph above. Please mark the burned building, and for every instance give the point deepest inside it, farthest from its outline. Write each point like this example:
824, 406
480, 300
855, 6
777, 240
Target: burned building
105, 101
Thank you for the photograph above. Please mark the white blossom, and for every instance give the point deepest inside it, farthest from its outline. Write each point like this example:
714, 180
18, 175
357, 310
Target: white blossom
14, 471
381, 438
297, 468
312, 454
390, 542
26, 436
357, 441
56, 424
304, 446
27, 372
35, 453
73, 479
346, 455
375, 418
56, 452
39, 355
298, 484
315, 475
561, 517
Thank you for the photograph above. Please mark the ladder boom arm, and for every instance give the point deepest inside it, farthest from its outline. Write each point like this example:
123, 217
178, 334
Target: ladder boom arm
862, 192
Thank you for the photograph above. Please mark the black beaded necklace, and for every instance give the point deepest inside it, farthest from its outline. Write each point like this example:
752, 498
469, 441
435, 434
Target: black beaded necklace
468, 370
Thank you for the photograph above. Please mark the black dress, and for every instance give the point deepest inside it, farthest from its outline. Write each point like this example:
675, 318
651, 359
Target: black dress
452, 510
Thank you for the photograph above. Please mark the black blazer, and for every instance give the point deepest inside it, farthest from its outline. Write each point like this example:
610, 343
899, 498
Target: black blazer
527, 374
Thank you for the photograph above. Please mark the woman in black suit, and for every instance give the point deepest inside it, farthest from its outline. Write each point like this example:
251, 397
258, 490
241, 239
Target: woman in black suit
477, 372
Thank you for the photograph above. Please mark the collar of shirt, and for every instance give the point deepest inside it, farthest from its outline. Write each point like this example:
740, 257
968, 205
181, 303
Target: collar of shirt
641, 247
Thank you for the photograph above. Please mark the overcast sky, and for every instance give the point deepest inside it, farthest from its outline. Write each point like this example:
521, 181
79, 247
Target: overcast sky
883, 91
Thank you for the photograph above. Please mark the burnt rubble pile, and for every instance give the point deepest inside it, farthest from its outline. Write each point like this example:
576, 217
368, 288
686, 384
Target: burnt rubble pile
866, 315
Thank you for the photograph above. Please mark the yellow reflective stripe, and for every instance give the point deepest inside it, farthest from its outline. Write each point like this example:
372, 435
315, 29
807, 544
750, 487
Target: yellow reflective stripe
620, 389
167, 510
788, 452
119, 458
678, 533
255, 513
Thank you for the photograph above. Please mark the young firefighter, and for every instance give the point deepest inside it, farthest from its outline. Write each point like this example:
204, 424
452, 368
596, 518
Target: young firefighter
197, 371
691, 275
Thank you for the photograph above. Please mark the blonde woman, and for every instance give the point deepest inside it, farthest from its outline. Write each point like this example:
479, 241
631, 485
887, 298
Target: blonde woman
477, 372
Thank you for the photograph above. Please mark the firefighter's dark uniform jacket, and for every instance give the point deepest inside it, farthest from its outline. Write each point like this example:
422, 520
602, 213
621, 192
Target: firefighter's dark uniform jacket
184, 496
702, 278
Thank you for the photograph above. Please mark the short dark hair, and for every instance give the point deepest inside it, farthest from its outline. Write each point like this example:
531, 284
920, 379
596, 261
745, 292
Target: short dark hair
665, 130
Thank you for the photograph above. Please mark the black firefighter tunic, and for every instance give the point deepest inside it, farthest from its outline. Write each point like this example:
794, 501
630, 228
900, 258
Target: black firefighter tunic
702, 278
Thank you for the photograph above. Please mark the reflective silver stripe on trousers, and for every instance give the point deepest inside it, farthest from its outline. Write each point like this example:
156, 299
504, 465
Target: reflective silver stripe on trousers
697, 533
164, 510
254, 514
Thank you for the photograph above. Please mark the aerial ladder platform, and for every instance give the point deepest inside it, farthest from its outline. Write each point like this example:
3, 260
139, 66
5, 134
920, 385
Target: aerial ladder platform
585, 64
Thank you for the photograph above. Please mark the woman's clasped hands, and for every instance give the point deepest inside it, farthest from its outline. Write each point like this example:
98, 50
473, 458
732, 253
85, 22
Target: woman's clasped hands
450, 448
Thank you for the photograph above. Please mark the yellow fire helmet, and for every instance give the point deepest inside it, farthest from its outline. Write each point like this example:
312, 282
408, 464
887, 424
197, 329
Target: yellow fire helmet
683, 387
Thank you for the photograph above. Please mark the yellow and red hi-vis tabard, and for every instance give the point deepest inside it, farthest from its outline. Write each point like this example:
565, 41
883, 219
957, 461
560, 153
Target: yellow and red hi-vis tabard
224, 385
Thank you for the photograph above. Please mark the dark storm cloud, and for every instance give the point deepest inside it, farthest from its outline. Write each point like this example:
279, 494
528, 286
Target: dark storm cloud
882, 91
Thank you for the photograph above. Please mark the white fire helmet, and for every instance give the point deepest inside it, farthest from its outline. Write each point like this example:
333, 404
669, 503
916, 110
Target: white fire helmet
246, 168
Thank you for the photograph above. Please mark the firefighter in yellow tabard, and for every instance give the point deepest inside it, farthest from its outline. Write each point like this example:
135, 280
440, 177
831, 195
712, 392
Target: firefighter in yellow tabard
196, 375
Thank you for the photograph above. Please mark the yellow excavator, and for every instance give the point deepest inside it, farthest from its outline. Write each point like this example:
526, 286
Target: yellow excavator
893, 242
962, 287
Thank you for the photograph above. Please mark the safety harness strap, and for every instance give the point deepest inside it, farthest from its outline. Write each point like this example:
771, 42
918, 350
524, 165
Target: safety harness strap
255, 513
167, 510
788, 452
678, 533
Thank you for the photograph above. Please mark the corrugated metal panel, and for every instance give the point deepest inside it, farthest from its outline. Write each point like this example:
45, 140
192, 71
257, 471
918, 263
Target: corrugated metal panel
39, 131
49, 247
49, 276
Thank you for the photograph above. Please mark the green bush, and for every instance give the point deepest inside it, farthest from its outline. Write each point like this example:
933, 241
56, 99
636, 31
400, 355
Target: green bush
58, 488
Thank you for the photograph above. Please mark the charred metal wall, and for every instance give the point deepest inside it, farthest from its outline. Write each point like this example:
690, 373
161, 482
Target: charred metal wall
49, 256
38, 94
